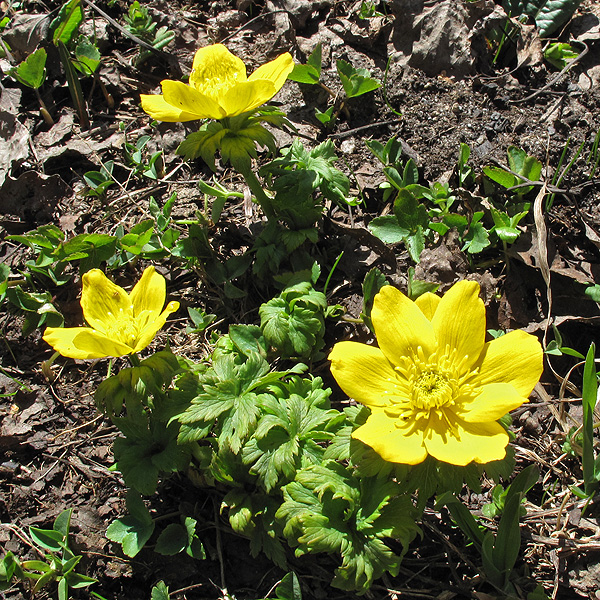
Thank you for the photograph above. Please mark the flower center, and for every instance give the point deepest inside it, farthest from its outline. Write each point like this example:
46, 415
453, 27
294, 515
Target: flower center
431, 390
123, 327
423, 385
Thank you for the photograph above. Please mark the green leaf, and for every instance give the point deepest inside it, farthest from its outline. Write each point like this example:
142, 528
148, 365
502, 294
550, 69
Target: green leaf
501, 176
310, 72
356, 82
63, 522
589, 399
87, 57
305, 74
66, 25
160, 591
289, 588
133, 530
172, 540
32, 71
203, 143
463, 517
508, 540
48, 539
477, 238
559, 53
554, 14
388, 230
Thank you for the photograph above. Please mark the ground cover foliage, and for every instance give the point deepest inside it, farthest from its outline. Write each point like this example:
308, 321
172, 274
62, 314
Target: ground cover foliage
419, 144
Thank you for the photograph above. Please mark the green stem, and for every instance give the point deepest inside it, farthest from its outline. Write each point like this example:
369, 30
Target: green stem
134, 359
259, 193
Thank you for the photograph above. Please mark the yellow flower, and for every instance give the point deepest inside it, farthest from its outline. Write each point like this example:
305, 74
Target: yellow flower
120, 323
434, 386
218, 87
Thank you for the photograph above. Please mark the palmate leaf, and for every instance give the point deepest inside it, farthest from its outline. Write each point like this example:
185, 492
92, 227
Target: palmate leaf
253, 515
326, 509
146, 451
230, 396
285, 436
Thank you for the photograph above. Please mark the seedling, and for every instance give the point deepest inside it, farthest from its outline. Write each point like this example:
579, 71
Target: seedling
522, 168
99, 181
139, 22
58, 565
134, 154
32, 73
355, 82
559, 54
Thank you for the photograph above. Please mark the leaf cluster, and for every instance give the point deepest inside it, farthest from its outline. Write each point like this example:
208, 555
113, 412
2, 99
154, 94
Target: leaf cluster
58, 565
293, 323
327, 509
297, 175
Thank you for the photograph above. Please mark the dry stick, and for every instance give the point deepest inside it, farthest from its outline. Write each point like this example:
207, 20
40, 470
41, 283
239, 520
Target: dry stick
248, 23
557, 78
171, 59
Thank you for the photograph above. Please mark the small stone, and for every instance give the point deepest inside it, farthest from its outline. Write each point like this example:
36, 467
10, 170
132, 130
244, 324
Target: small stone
348, 147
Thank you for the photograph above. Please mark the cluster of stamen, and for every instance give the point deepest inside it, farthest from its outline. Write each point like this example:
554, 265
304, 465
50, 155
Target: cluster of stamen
429, 384
214, 85
123, 327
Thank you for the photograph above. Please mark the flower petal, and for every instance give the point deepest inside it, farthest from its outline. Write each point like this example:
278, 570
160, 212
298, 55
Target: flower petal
149, 293
190, 100
83, 343
152, 326
494, 401
459, 322
159, 110
275, 71
363, 372
215, 70
428, 304
514, 358
381, 434
103, 301
464, 442
400, 326
247, 96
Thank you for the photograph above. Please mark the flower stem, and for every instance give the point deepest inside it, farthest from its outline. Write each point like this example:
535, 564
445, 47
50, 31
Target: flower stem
134, 359
259, 193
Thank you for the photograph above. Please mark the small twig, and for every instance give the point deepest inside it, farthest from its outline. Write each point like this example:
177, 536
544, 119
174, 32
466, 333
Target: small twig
248, 23
350, 132
171, 59
557, 77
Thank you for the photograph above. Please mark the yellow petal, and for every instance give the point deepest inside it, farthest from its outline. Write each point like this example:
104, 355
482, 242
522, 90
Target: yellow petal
215, 70
189, 100
459, 322
152, 326
465, 442
428, 304
158, 109
514, 358
149, 293
83, 343
494, 401
103, 302
400, 326
381, 433
363, 373
247, 96
276, 71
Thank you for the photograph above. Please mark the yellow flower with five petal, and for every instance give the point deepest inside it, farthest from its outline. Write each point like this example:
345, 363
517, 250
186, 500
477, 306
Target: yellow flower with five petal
218, 87
120, 323
434, 386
